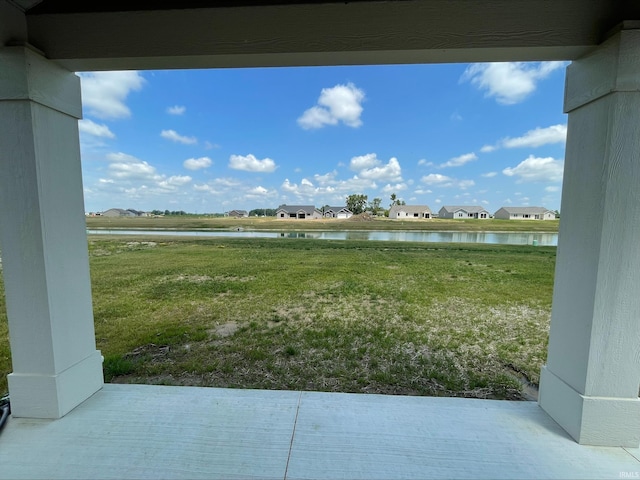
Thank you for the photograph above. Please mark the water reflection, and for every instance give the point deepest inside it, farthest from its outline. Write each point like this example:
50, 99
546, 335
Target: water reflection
512, 238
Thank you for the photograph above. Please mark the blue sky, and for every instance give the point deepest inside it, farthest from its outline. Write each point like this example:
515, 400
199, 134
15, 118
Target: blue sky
208, 141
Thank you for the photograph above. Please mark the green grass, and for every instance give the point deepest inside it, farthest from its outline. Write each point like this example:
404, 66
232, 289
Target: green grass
349, 316
271, 223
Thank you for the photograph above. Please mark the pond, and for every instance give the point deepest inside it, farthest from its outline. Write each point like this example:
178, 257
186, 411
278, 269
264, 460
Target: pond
504, 238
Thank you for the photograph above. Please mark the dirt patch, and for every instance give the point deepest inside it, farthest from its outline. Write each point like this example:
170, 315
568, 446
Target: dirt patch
225, 330
193, 278
157, 353
231, 278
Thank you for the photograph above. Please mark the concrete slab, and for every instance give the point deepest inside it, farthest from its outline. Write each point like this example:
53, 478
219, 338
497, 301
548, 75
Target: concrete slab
142, 431
375, 436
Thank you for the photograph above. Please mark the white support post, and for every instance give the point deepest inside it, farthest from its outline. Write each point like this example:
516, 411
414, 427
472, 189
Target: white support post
590, 383
43, 238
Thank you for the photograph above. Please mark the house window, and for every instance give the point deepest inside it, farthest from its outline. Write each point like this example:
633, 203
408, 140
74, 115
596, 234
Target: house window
282, 215
460, 215
416, 215
292, 215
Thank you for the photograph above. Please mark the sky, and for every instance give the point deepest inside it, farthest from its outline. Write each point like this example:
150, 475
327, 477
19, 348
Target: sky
210, 141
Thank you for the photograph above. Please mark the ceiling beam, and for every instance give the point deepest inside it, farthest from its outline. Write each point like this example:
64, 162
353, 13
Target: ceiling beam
412, 31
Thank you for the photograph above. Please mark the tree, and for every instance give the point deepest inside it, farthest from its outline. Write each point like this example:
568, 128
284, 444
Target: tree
374, 205
267, 212
396, 201
356, 203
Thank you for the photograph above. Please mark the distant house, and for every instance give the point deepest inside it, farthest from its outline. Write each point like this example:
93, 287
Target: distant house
462, 212
120, 212
337, 212
298, 212
238, 213
410, 212
525, 213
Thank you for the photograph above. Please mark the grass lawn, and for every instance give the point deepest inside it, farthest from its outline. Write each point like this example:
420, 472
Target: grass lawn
192, 222
349, 316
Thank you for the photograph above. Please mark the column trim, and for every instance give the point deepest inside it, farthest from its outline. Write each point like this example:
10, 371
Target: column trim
28, 75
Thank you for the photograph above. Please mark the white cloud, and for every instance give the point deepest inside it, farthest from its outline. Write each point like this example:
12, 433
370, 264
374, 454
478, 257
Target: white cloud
104, 93
535, 169
250, 163
488, 148
438, 180
370, 167
326, 178
509, 82
421, 191
489, 174
424, 163
227, 182
398, 187
176, 137
390, 172
326, 188
438, 200
364, 161
537, 137
197, 163
97, 130
459, 161
435, 179
341, 103
176, 110
175, 181
552, 189
125, 166
259, 190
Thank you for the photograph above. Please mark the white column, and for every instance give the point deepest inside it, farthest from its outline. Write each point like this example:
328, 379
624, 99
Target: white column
590, 383
43, 239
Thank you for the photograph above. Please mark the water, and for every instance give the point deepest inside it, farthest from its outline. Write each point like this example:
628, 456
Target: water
502, 238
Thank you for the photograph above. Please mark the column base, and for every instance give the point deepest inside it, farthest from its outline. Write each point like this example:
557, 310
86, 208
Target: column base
53, 396
602, 421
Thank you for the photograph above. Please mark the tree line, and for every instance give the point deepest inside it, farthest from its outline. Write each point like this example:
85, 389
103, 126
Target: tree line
358, 203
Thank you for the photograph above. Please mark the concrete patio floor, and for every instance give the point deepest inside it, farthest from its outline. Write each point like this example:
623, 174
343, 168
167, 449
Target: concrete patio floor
144, 431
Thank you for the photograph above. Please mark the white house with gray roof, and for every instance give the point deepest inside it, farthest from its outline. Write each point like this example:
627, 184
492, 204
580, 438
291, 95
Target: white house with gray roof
410, 212
297, 212
337, 212
525, 213
121, 212
462, 212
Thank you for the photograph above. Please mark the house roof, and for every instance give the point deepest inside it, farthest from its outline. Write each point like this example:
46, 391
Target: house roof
533, 210
466, 208
308, 209
121, 211
410, 208
337, 209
